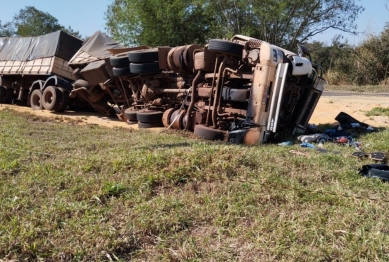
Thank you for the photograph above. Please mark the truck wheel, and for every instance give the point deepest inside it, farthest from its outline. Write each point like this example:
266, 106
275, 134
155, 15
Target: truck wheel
51, 98
150, 125
146, 68
3, 93
209, 133
166, 117
121, 71
36, 99
130, 115
143, 56
64, 101
151, 116
120, 60
225, 47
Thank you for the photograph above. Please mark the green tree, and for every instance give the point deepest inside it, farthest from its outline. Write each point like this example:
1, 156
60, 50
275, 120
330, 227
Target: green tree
155, 22
33, 22
365, 64
286, 22
174, 22
372, 59
6, 29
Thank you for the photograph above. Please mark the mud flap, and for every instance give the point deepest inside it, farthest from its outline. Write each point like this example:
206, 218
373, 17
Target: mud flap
236, 136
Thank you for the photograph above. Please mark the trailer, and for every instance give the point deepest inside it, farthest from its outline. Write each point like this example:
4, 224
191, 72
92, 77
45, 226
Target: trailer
242, 90
58, 71
34, 70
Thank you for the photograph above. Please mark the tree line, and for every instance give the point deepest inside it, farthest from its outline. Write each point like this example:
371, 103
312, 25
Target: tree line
180, 22
281, 22
364, 64
33, 22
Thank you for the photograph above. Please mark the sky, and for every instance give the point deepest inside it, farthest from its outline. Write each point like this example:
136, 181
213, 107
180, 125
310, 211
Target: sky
369, 22
84, 16
87, 16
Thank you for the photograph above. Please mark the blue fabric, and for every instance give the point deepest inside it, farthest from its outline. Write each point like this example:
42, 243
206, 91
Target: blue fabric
286, 143
305, 144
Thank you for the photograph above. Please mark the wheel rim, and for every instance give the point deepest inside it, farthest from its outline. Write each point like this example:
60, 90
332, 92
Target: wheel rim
36, 100
48, 97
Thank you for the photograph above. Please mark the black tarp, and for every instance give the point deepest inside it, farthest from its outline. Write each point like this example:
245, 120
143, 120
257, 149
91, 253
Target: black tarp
97, 46
58, 44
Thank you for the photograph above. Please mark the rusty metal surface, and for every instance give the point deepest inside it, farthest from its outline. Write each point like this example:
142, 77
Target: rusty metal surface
176, 119
166, 117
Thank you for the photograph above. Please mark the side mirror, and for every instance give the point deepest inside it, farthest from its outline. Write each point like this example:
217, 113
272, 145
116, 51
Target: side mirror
302, 50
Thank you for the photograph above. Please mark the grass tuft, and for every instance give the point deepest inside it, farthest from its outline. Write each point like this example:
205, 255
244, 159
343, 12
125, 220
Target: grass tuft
378, 111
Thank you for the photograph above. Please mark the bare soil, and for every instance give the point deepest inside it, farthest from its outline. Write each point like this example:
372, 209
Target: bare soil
356, 106
326, 111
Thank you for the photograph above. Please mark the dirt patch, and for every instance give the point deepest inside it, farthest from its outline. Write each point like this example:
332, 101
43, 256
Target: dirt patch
326, 111
356, 106
81, 118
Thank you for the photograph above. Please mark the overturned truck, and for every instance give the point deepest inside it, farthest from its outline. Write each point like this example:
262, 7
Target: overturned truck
243, 90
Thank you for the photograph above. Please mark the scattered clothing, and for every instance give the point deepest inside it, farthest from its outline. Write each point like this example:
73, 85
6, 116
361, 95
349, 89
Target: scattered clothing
377, 156
348, 122
312, 138
305, 144
380, 171
286, 143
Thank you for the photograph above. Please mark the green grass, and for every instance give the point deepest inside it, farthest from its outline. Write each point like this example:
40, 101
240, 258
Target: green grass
87, 193
378, 111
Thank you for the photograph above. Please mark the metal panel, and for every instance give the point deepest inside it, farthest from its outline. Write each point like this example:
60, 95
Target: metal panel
277, 95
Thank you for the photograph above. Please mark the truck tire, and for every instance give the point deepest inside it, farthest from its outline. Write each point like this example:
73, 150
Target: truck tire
36, 99
143, 56
150, 125
120, 60
3, 94
131, 115
146, 68
225, 47
151, 116
64, 101
52, 98
121, 71
209, 133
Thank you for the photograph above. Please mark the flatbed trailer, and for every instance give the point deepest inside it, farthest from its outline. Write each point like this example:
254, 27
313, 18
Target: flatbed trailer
34, 70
